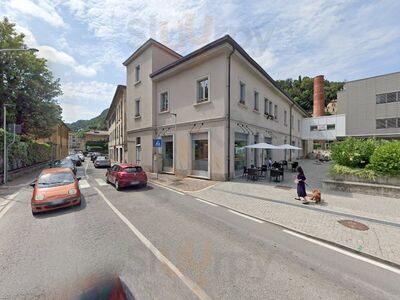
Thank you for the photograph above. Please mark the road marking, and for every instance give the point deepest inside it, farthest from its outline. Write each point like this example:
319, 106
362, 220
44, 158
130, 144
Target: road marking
188, 282
167, 188
83, 184
87, 164
246, 216
101, 181
9, 204
206, 202
342, 251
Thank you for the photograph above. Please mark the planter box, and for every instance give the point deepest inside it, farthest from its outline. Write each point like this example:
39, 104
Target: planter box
362, 188
381, 180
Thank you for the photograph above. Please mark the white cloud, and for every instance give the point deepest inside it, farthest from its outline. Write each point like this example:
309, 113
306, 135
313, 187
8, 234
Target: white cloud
85, 100
42, 9
56, 56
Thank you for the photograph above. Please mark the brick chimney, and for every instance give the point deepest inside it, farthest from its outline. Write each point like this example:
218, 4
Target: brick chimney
319, 101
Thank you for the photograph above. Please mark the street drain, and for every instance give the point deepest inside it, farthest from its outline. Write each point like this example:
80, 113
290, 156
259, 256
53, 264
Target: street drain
283, 187
354, 225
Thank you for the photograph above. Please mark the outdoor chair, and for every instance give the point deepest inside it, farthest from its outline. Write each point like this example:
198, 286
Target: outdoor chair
245, 171
295, 164
274, 173
252, 174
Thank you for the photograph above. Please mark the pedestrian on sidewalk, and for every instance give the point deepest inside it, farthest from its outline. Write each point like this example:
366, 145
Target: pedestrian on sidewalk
301, 185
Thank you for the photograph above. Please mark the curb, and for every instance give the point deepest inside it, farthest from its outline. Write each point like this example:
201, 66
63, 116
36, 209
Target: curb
343, 247
180, 190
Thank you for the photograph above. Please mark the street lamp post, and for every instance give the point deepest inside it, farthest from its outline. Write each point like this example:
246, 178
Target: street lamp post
5, 164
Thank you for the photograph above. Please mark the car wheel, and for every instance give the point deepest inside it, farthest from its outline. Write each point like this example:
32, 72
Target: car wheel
34, 213
117, 187
144, 185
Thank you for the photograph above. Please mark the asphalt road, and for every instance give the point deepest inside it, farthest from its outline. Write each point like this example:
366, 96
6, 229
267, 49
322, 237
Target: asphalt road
166, 245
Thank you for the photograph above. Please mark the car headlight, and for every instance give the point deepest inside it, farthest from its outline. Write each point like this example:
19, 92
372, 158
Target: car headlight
39, 197
72, 191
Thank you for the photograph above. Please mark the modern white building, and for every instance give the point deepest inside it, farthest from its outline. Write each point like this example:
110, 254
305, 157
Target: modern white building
205, 107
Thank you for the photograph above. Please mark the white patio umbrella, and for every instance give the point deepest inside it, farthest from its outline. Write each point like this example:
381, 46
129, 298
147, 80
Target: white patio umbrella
287, 147
262, 146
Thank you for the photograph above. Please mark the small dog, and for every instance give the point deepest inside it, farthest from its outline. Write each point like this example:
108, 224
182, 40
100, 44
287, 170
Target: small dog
316, 195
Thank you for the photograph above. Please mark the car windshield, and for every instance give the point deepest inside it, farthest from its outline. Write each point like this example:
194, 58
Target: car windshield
63, 163
55, 179
133, 169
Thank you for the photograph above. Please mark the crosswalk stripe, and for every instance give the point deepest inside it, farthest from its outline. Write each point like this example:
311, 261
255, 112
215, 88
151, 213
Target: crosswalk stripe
84, 184
100, 181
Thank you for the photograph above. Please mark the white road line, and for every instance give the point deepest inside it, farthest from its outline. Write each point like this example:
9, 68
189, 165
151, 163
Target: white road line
206, 202
245, 216
187, 281
84, 184
167, 188
342, 251
101, 181
9, 204
87, 164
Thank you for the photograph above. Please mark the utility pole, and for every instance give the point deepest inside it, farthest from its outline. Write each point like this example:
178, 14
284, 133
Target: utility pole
5, 143
175, 115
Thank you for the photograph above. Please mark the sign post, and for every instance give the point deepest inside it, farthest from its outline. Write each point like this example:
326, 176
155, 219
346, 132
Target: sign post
157, 144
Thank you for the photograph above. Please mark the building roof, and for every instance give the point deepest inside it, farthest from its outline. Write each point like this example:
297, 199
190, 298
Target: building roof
146, 45
373, 77
227, 39
120, 89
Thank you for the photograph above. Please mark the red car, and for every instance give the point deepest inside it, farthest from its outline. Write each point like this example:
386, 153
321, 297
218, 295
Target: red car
124, 175
55, 188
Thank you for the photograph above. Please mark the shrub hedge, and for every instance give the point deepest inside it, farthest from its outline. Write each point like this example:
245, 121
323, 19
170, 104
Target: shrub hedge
366, 157
354, 152
386, 159
23, 154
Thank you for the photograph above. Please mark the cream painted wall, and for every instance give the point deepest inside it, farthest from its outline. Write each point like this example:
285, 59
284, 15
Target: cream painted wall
182, 89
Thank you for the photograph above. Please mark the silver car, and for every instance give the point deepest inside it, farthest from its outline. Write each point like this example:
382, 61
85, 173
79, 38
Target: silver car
102, 162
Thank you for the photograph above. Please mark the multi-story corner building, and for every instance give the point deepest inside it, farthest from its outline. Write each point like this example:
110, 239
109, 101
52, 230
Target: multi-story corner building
59, 141
372, 106
205, 107
116, 123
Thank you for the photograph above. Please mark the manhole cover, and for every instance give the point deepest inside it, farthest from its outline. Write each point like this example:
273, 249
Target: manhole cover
354, 225
283, 187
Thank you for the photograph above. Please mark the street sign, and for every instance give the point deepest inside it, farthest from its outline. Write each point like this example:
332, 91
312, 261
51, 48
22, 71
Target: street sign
157, 143
17, 128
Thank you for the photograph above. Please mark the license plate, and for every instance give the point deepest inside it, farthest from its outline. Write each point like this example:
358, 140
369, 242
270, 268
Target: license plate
134, 182
57, 202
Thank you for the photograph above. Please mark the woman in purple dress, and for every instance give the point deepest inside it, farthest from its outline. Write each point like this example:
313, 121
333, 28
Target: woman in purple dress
301, 185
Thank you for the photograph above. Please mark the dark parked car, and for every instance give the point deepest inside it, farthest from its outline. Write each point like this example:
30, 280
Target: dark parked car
124, 175
75, 158
102, 161
94, 156
64, 163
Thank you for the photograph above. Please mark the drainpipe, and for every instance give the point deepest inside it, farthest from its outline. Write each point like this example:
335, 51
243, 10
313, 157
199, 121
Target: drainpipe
229, 113
290, 130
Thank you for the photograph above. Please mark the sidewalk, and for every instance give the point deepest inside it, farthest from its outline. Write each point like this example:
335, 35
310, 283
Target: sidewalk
276, 204
186, 184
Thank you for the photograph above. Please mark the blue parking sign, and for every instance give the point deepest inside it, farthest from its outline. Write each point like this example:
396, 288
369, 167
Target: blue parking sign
157, 143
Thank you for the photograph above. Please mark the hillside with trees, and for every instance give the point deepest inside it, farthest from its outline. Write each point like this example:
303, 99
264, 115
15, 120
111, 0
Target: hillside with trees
302, 89
96, 123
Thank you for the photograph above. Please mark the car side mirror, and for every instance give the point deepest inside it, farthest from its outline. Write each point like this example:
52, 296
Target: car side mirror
32, 184
78, 178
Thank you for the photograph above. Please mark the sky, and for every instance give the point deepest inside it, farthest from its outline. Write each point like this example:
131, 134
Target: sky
86, 41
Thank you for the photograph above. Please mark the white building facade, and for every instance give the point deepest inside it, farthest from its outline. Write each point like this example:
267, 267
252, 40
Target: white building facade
205, 107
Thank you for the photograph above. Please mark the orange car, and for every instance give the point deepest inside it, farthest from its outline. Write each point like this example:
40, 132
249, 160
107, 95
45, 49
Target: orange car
55, 188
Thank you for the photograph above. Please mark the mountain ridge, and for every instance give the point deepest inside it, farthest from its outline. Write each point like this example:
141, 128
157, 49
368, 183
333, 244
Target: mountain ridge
96, 123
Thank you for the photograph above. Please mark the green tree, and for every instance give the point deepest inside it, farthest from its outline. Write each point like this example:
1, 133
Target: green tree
27, 83
302, 90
